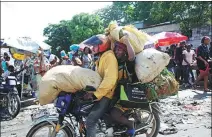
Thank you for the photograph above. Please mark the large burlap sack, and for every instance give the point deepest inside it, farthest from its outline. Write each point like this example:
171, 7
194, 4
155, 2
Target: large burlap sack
137, 38
149, 64
66, 78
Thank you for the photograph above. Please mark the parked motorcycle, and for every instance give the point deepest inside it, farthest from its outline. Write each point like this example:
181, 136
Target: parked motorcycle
73, 110
10, 103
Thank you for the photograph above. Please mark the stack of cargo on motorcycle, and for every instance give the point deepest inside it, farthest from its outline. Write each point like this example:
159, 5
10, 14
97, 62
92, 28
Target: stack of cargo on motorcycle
152, 80
142, 79
149, 63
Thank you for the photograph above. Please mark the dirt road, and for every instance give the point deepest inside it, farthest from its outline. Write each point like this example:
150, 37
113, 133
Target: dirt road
190, 114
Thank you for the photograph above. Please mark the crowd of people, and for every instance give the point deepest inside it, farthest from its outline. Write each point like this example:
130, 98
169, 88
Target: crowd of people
191, 65
116, 62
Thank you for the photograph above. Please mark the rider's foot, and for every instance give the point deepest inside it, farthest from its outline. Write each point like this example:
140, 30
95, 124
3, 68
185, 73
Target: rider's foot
130, 132
207, 90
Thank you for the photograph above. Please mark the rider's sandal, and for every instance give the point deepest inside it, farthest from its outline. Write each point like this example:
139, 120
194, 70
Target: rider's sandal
207, 90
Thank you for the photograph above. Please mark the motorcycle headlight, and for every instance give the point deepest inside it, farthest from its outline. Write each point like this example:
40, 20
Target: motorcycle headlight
62, 103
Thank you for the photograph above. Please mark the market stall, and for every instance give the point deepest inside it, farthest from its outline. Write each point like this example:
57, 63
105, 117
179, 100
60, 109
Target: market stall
23, 49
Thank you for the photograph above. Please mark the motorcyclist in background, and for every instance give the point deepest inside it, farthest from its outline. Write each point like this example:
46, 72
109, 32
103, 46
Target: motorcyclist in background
107, 67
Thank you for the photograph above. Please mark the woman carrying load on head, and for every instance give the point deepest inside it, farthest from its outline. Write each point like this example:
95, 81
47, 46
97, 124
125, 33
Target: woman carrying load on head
74, 55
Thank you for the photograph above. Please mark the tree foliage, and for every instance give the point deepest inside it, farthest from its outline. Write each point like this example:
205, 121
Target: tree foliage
126, 12
110, 13
80, 27
58, 36
83, 26
189, 14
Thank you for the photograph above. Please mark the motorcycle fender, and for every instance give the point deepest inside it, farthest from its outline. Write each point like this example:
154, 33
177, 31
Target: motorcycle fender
43, 119
156, 107
51, 120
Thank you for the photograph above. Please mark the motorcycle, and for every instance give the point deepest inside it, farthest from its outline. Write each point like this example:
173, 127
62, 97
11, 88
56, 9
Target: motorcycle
73, 110
10, 103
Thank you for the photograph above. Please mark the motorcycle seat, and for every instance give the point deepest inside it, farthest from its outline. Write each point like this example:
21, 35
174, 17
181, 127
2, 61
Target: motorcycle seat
89, 88
63, 93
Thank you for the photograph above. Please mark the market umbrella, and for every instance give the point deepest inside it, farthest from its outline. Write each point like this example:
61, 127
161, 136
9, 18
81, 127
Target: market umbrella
26, 44
3, 44
168, 38
94, 40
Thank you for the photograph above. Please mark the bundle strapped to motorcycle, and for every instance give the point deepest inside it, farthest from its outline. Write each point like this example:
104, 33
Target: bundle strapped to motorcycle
139, 95
132, 95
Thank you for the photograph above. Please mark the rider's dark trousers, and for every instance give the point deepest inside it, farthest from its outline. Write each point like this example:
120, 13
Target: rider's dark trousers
97, 112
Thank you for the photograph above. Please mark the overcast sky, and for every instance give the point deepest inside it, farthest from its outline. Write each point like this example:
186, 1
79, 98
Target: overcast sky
30, 18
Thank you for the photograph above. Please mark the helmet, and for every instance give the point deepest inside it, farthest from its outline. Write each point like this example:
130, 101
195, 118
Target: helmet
74, 47
97, 43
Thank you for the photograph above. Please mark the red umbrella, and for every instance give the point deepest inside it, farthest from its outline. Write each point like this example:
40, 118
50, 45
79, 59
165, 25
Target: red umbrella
168, 38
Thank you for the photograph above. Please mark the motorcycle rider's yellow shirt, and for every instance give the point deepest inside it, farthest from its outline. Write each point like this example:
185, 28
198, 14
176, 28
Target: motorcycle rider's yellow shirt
108, 69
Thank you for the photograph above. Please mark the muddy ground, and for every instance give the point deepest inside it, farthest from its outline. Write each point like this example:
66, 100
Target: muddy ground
189, 114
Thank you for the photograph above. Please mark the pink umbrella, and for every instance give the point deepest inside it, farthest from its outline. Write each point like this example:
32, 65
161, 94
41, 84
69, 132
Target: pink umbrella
168, 38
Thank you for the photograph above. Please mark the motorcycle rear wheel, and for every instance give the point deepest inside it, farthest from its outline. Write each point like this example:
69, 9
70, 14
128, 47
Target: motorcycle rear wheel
32, 133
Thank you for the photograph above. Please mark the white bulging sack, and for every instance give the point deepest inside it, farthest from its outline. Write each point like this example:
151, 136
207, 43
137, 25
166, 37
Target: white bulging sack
66, 78
149, 63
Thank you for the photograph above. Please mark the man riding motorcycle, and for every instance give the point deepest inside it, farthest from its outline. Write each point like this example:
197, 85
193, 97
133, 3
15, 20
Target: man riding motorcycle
126, 59
107, 67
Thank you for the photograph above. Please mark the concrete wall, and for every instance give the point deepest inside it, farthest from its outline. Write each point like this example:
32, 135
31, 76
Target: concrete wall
198, 33
158, 29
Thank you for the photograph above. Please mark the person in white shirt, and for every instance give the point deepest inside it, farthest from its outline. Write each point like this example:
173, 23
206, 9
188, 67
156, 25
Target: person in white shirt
188, 58
54, 60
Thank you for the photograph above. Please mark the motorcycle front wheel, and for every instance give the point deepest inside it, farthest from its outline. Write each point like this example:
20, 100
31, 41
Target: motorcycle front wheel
148, 123
45, 129
13, 105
